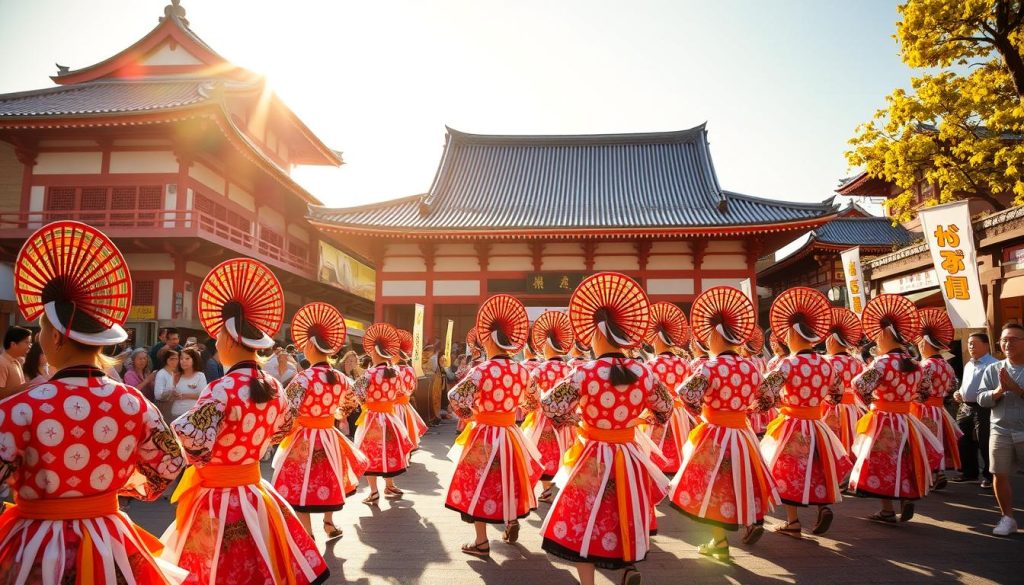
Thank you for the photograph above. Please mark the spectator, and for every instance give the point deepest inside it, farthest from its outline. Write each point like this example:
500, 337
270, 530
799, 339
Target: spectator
35, 368
170, 340
351, 369
190, 382
138, 372
17, 342
165, 380
1001, 390
214, 369
972, 419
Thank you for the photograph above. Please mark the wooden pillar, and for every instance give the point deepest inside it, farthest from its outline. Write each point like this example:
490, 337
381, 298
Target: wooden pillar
378, 299
483, 251
698, 247
588, 255
643, 254
27, 157
429, 253
537, 248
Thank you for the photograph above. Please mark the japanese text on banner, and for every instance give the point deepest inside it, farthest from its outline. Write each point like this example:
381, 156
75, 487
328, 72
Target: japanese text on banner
950, 236
854, 279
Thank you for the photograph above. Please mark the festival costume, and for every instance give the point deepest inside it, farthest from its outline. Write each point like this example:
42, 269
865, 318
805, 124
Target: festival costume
759, 420
938, 380
842, 416
231, 526
670, 370
70, 446
894, 451
723, 480
604, 512
407, 374
805, 457
550, 440
380, 432
316, 467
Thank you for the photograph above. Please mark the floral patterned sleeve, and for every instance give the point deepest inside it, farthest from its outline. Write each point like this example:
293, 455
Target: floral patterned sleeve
769, 390
865, 382
198, 428
360, 386
692, 389
561, 402
12, 436
462, 396
159, 457
659, 400
348, 403
835, 386
531, 395
286, 419
924, 387
296, 389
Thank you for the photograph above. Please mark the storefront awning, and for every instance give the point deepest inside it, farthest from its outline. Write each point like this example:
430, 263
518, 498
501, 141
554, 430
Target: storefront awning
921, 295
1012, 287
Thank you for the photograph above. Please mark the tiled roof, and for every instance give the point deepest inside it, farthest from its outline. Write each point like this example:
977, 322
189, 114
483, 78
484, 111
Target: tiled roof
862, 231
105, 97
656, 180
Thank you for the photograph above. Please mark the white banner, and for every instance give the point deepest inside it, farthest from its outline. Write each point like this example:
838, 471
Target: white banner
854, 275
448, 342
947, 229
417, 341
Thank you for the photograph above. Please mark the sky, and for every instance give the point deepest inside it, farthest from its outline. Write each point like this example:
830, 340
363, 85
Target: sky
781, 84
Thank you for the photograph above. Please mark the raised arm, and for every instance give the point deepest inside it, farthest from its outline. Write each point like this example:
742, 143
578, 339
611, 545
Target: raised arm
462, 396
159, 459
198, 428
561, 402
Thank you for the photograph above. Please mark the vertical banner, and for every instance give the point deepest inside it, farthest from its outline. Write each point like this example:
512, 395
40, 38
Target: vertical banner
417, 341
947, 229
854, 279
448, 341
752, 295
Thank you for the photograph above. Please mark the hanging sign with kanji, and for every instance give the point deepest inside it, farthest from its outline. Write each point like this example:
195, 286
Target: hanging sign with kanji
947, 229
854, 279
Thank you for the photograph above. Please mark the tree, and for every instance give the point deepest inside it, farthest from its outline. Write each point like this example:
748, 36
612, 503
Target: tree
961, 127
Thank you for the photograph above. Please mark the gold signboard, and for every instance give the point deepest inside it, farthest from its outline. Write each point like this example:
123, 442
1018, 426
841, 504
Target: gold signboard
345, 272
142, 313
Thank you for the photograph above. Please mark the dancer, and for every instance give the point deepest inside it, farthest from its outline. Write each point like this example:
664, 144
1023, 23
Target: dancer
844, 335
752, 349
380, 432
894, 451
579, 354
73, 279
531, 362
938, 380
609, 485
779, 350
552, 331
699, 352
806, 459
407, 377
669, 331
724, 481
496, 466
316, 466
231, 526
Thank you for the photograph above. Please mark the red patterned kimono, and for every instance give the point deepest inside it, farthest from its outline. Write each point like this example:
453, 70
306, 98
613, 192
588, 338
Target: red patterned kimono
496, 466
759, 419
231, 526
723, 480
316, 466
609, 484
670, 437
805, 457
895, 452
413, 422
550, 440
381, 434
842, 416
937, 381
69, 447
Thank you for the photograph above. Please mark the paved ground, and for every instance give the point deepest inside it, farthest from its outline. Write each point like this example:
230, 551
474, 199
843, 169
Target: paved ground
417, 540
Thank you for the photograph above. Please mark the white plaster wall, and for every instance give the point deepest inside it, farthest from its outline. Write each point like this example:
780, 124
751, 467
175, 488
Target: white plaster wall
712, 282
456, 264
512, 249
197, 269
402, 250
456, 288
143, 162
403, 288
670, 262
298, 233
563, 248
170, 202
510, 263
207, 176
616, 263
671, 248
563, 263
623, 248
725, 262
725, 246
150, 261
6, 281
271, 218
241, 197
68, 163
165, 299
404, 264
455, 249
669, 286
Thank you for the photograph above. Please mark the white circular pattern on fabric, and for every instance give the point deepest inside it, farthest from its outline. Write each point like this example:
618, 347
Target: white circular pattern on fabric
244, 394
735, 380
490, 507
456, 496
726, 393
43, 392
636, 396
104, 390
47, 480
819, 491
559, 529
50, 432
744, 368
8, 448
621, 413
76, 457
805, 370
680, 370
326, 399
593, 387
499, 394
604, 424
603, 372
551, 376
101, 477
126, 448
609, 541
684, 498
723, 370
660, 367
816, 381
592, 412
607, 399
236, 453
735, 403
31, 455
728, 510
805, 392
487, 385
509, 404
258, 436
104, 430
28, 493
77, 408
130, 404
323, 492
873, 482
495, 371
21, 414
506, 380
272, 413
227, 439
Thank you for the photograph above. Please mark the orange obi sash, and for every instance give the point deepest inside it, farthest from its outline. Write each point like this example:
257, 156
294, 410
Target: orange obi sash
881, 406
725, 418
935, 401
802, 412
210, 476
614, 436
383, 407
315, 422
849, 398
403, 399
67, 508
678, 403
493, 419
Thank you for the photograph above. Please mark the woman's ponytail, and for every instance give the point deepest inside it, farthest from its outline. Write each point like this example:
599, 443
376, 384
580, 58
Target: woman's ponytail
621, 375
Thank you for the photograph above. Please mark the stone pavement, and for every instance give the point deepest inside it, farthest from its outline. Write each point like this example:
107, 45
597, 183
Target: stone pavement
417, 540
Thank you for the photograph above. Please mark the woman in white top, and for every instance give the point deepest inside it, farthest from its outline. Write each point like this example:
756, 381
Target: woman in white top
166, 378
190, 381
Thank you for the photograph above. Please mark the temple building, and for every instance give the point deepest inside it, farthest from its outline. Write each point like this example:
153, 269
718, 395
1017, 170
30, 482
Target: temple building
533, 215
184, 159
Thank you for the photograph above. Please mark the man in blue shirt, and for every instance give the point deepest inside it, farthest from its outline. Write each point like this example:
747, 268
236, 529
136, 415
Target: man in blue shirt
972, 419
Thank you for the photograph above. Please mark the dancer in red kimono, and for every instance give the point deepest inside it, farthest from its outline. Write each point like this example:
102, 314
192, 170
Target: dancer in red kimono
938, 380
700, 355
894, 451
752, 350
602, 517
579, 354
724, 481
380, 431
316, 466
779, 350
552, 331
670, 331
474, 350
407, 375
806, 459
844, 335
496, 466
65, 526
231, 526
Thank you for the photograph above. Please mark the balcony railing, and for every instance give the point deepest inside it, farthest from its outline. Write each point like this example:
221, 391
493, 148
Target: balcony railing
158, 223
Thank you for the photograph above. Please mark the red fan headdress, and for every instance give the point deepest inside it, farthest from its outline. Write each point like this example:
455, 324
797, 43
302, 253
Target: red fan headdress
725, 309
613, 303
405, 343
846, 328
75, 275
504, 318
804, 310
243, 297
669, 323
936, 328
555, 329
472, 341
893, 312
755, 343
320, 323
383, 339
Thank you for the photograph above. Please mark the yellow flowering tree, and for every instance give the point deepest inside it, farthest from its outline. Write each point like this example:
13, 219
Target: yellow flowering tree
961, 126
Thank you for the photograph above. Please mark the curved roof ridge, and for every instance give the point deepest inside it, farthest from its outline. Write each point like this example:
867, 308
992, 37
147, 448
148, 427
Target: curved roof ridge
664, 137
